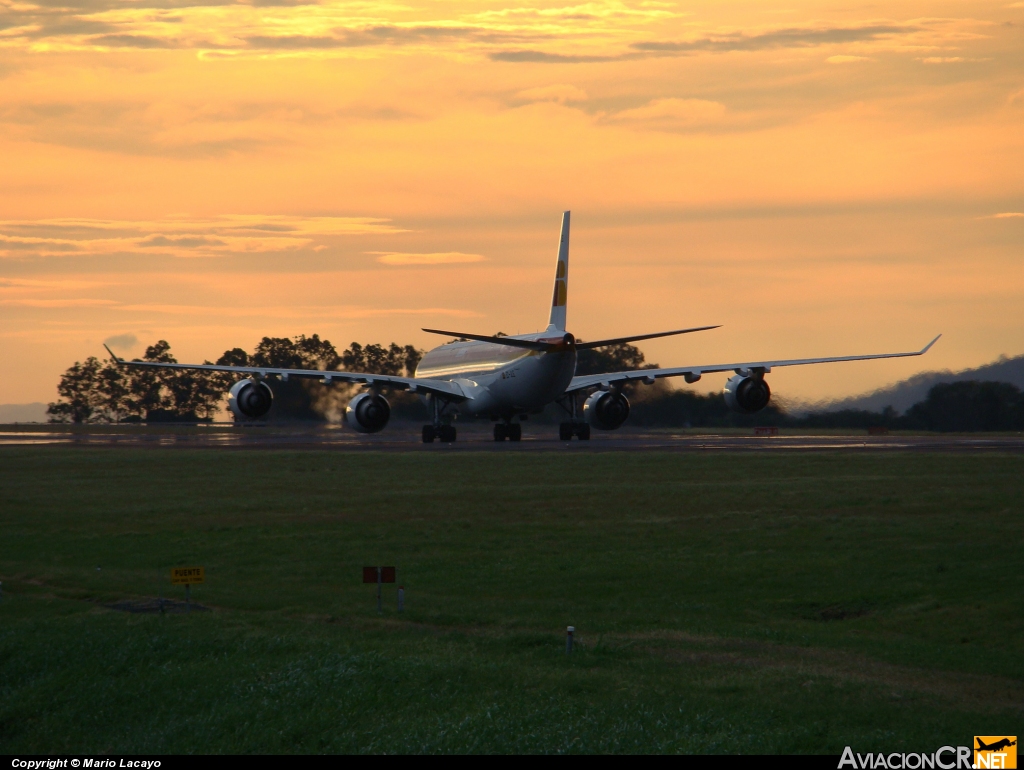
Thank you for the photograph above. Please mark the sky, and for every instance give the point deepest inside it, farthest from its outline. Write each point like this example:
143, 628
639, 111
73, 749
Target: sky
820, 178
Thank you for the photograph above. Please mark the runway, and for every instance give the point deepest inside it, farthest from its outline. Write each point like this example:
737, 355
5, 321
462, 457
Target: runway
476, 437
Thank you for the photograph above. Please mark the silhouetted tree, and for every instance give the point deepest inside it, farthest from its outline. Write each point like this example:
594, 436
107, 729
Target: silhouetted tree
79, 394
377, 359
614, 358
149, 391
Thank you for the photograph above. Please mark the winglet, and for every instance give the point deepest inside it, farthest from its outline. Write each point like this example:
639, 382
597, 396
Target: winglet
928, 346
114, 358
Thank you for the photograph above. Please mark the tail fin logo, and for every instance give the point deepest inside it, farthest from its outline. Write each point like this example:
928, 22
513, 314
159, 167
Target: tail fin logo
559, 299
995, 751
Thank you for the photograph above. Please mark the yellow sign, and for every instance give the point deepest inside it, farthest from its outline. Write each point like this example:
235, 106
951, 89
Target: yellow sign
186, 575
995, 751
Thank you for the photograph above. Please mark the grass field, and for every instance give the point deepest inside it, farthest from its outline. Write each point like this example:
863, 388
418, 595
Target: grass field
723, 602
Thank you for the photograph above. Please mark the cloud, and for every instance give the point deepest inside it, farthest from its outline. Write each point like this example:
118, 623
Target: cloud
122, 341
674, 114
558, 92
942, 59
556, 58
59, 284
292, 312
793, 37
180, 236
845, 59
435, 258
780, 38
53, 303
1005, 215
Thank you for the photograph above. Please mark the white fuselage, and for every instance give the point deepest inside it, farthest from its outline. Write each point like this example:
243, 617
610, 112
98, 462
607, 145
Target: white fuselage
499, 380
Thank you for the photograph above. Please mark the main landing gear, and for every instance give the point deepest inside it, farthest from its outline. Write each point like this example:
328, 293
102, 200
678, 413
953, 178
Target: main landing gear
576, 427
438, 429
512, 431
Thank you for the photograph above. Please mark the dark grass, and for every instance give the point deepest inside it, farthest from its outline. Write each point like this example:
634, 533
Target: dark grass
723, 602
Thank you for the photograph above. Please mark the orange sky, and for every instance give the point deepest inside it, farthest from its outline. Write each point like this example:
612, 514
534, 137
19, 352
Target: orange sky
822, 179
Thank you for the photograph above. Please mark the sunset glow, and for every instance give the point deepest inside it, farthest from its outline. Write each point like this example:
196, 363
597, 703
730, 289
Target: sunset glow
818, 178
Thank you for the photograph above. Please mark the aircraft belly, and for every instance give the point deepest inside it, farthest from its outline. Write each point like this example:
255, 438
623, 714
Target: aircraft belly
527, 384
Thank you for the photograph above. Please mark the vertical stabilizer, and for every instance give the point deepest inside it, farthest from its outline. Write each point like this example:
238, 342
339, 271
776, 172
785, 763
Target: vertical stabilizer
561, 278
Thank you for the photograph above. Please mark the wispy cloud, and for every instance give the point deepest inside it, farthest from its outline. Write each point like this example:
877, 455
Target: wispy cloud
846, 59
288, 312
433, 258
1005, 215
793, 37
125, 341
673, 114
179, 236
557, 92
53, 303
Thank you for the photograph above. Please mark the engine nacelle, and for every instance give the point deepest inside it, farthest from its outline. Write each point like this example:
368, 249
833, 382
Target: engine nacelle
367, 413
250, 399
605, 410
746, 395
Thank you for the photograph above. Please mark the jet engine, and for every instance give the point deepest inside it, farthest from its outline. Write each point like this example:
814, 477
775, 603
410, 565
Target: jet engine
605, 410
747, 395
250, 399
367, 413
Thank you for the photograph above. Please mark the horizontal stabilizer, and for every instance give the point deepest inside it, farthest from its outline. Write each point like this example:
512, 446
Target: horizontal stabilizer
620, 340
510, 341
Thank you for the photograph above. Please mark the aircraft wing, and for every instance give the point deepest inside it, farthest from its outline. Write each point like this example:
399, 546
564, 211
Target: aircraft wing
693, 373
449, 390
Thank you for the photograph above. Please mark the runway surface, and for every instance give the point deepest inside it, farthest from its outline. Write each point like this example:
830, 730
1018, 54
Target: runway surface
477, 437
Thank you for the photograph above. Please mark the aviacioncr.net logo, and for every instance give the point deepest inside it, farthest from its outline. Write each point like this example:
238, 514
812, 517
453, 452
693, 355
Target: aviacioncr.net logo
946, 758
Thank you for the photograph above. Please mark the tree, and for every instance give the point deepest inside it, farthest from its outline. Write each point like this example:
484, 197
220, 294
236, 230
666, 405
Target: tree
79, 393
413, 356
148, 387
377, 359
614, 358
299, 352
114, 390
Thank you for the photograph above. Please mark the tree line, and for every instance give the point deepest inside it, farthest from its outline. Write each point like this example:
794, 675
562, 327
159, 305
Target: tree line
102, 391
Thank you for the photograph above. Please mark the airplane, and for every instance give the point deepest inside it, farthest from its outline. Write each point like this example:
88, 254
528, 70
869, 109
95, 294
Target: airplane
1002, 743
508, 378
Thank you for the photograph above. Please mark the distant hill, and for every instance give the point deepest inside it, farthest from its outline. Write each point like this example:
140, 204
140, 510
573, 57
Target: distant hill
905, 394
35, 412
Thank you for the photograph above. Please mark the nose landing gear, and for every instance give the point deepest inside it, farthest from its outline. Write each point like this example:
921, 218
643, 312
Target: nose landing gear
512, 431
443, 433
567, 430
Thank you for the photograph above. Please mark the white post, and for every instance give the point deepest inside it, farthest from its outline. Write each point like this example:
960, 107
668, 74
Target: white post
379, 608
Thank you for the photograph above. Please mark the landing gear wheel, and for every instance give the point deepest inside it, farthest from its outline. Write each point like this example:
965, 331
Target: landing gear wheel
446, 433
429, 434
500, 431
565, 431
583, 431
515, 432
